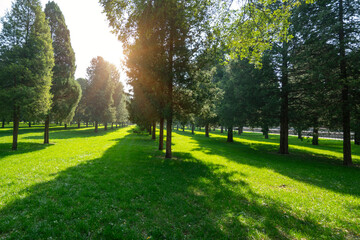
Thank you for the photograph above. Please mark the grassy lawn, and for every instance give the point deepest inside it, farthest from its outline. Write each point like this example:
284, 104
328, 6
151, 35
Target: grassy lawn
116, 185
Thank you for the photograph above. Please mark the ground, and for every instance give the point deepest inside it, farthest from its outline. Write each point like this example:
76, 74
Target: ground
116, 185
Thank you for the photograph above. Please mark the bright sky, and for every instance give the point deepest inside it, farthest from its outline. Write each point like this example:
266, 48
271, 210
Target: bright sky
89, 32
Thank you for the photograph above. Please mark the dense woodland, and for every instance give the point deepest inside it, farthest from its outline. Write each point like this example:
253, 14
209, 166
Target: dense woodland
199, 63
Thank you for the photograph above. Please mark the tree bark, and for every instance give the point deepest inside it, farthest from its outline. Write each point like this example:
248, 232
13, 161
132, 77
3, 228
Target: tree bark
169, 89
3, 124
161, 134
65, 125
105, 127
345, 91
315, 138
357, 138
96, 126
112, 125
29, 124
299, 133
87, 124
192, 128
15, 128
154, 130
46, 130
284, 110
168, 153
79, 123
183, 128
221, 129
207, 130
230, 137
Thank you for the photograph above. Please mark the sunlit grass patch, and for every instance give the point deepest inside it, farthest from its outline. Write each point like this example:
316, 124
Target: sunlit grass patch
116, 185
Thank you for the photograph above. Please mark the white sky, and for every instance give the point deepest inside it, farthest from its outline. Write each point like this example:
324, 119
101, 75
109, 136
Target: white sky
89, 32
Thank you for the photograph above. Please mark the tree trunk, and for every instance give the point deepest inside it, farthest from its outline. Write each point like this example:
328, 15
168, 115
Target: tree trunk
183, 128
344, 91
105, 126
299, 134
221, 129
192, 128
29, 124
266, 134
3, 124
161, 134
357, 138
199, 128
177, 127
315, 139
15, 128
230, 137
46, 130
207, 130
241, 130
96, 126
168, 153
284, 110
87, 124
65, 125
154, 130
79, 123
60, 123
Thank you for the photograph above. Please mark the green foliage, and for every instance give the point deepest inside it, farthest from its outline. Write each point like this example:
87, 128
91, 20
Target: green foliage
26, 60
102, 79
65, 89
252, 29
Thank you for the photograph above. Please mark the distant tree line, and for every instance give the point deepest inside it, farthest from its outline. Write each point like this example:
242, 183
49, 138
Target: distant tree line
37, 68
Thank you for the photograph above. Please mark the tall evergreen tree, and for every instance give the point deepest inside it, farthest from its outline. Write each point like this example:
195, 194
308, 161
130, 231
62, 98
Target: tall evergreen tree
26, 60
66, 91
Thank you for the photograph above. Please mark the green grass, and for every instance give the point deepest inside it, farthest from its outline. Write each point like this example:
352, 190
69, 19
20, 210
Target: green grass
116, 185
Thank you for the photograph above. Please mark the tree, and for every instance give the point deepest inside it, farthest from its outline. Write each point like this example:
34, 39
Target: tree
177, 25
336, 38
26, 60
100, 91
66, 91
81, 112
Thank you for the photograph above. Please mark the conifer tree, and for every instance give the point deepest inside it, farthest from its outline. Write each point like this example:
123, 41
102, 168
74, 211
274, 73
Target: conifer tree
65, 90
26, 61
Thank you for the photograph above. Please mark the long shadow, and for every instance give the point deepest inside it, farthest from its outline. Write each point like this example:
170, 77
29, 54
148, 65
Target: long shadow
53, 129
131, 192
330, 146
72, 133
302, 166
23, 147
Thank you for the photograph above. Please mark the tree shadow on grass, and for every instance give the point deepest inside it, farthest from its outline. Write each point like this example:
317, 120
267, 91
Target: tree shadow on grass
328, 147
131, 192
73, 133
319, 170
23, 147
